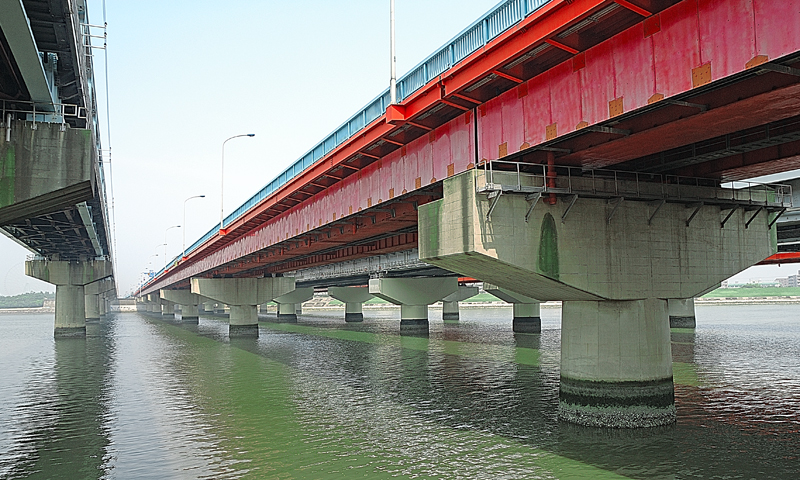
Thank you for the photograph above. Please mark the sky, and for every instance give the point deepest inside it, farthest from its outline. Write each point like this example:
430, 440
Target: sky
186, 75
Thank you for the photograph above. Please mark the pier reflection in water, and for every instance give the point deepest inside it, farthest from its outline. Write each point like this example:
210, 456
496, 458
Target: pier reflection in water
143, 398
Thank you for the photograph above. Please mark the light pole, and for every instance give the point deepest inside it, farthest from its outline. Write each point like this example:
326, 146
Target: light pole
183, 249
222, 179
165, 241
393, 79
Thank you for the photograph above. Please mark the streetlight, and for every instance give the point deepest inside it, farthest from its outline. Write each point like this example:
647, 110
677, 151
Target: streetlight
393, 78
183, 255
222, 179
165, 241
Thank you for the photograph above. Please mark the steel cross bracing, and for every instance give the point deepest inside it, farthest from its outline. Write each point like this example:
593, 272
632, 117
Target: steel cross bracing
593, 83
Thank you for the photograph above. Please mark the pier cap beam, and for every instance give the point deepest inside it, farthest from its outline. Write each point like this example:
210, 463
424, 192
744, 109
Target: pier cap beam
527, 314
450, 302
287, 303
353, 299
70, 278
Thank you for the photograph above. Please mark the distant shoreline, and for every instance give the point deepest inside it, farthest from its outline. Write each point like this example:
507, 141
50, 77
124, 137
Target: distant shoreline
382, 306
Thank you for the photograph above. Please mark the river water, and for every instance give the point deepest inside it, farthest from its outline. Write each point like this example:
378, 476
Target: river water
141, 398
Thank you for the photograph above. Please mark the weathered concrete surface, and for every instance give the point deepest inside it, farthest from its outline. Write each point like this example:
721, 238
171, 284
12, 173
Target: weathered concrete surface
187, 300
586, 257
44, 170
290, 304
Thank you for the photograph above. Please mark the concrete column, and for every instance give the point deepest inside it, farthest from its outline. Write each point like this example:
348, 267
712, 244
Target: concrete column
353, 298
616, 364
450, 302
69, 277
92, 306
413, 295
527, 318
154, 303
681, 313
167, 309
287, 304
188, 302
243, 295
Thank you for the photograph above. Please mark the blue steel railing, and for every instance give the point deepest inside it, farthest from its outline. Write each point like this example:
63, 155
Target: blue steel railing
499, 19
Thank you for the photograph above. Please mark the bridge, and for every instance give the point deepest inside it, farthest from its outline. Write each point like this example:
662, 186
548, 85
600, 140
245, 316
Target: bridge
590, 151
52, 185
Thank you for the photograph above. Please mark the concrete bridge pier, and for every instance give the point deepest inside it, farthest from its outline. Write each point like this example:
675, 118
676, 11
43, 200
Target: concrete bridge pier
598, 258
353, 299
167, 309
188, 302
291, 303
681, 313
527, 317
413, 295
450, 302
243, 295
154, 304
95, 300
70, 278
616, 364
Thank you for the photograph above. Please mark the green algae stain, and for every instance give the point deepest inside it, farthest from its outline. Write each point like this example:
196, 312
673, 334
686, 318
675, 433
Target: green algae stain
7, 176
548, 248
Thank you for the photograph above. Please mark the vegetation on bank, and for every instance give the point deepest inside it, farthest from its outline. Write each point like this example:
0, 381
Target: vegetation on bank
26, 300
748, 292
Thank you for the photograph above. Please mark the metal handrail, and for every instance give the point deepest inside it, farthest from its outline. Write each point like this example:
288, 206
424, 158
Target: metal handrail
513, 176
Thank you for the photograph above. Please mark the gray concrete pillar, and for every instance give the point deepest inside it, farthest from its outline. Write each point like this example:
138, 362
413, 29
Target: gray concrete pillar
167, 309
413, 295
188, 302
243, 295
527, 318
353, 298
450, 302
616, 364
92, 306
69, 277
681, 313
287, 304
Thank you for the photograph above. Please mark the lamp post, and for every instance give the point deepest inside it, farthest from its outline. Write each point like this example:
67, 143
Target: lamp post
165, 241
183, 248
393, 78
222, 179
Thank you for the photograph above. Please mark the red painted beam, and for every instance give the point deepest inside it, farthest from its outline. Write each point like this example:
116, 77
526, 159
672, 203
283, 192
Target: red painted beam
782, 257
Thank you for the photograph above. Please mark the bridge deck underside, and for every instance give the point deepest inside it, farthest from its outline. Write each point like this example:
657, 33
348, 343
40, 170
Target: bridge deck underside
705, 89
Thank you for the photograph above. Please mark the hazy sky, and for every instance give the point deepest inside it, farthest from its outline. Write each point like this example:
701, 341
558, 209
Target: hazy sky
186, 75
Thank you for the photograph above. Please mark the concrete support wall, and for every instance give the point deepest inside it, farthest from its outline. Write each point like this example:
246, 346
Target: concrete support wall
681, 313
69, 277
243, 295
353, 298
616, 364
413, 295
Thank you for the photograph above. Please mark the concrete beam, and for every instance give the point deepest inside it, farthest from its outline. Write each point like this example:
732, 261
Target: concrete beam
18, 34
413, 295
588, 255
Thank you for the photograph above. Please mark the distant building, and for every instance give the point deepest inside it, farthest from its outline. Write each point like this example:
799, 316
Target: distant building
790, 281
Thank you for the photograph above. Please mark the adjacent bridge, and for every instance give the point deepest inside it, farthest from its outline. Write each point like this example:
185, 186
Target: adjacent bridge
589, 151
52, 186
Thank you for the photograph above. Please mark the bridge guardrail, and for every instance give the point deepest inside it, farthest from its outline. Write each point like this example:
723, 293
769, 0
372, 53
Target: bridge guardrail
519, 177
